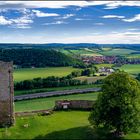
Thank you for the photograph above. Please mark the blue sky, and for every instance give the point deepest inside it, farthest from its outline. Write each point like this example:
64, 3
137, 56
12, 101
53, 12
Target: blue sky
70, 22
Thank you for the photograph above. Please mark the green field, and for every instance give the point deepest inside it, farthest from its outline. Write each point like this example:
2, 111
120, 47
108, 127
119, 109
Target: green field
104, 65
90, 79
47, 103
107, 51
30, 73
81, 51
59, 125
116, 52
131, 68
134, 56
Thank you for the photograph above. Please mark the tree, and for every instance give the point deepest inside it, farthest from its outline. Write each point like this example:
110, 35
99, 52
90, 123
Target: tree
87, 72
138, 77
118, 106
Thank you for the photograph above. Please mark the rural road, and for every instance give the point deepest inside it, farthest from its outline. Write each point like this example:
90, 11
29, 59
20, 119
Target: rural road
54, 93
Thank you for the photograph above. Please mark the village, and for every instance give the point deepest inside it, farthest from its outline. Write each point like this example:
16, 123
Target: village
109, 60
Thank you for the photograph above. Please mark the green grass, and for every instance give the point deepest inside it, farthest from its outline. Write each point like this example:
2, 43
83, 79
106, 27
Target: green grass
59, 125
103, 65
21, 92
90, 79
47, 103
30, 73
117, 52
133, 56
81, 51
131, 68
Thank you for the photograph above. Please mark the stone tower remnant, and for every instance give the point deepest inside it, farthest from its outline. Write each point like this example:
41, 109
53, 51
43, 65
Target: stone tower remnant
6, 94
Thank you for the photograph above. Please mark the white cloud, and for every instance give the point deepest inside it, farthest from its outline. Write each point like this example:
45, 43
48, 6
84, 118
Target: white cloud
113, 16
135, 18
48, 4
4, 21
42, 14
82, 19
64, 4
99, 23
133, 29
66, 16
104, 38
116, 4
55, 23
21, 22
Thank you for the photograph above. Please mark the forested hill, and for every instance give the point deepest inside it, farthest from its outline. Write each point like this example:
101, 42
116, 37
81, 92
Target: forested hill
37, 57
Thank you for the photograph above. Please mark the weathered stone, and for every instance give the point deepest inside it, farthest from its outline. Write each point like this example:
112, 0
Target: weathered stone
6, 94
74, 104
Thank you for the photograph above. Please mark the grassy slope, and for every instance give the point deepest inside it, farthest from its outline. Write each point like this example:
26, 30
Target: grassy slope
90, 79
103, 65
131, 68
117, 52
60, 125
30, 73
47, 103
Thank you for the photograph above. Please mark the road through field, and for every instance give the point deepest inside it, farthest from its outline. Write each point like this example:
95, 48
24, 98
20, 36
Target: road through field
55, 93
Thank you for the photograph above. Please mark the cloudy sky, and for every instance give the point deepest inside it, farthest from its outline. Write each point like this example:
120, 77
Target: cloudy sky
69, 22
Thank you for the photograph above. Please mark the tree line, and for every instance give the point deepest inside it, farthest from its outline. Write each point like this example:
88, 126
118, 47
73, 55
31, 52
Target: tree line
48, 82
38, 58
53, 81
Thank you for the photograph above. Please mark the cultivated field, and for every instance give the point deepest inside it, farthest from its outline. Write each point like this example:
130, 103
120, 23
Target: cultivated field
90, 79
30, 73
104, 65
47, 103
116, 52
107, 51
59, 125
131, 68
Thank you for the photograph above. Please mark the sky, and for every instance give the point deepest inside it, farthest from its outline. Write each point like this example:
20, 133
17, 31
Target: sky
102, 22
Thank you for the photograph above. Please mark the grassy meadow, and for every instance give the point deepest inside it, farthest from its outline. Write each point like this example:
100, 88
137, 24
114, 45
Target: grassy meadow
30, 73
117, 52
59, 125
90, 79
107, 51
132, 69
47, 103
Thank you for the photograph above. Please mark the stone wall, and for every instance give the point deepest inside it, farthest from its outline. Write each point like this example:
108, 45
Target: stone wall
6, 94
74, 104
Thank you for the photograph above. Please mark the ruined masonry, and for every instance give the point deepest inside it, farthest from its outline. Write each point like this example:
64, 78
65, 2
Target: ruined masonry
6, 94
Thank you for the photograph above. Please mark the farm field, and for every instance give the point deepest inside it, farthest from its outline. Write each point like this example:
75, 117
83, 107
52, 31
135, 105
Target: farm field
107, 51
81, 51
71, 125
133, 56
104, 65
131, 68
47, 103
116, 52
30, 73
21, 92
90, 79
